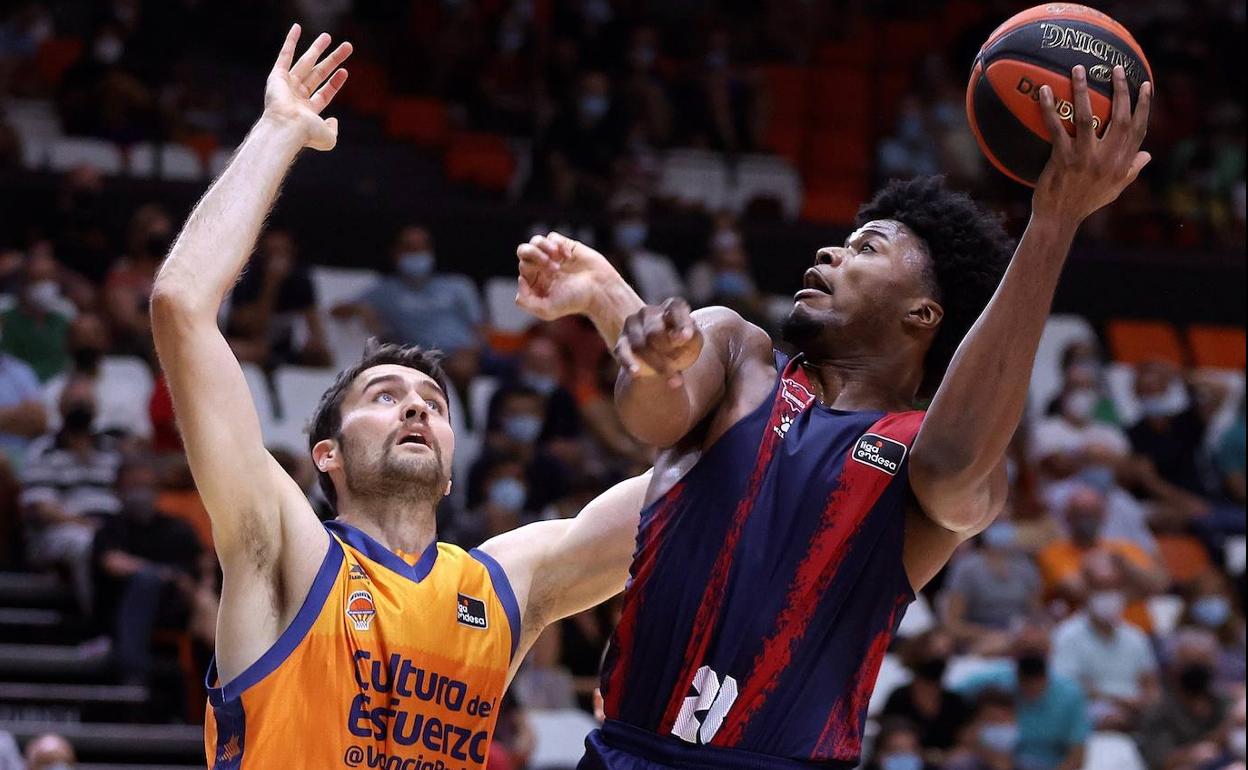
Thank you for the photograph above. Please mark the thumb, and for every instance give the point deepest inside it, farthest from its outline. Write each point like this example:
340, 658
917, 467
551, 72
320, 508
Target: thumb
332, 125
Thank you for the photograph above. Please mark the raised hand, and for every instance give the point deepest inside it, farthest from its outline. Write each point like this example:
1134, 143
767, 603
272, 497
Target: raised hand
660, 341
297, 92
1085, 173
560, 276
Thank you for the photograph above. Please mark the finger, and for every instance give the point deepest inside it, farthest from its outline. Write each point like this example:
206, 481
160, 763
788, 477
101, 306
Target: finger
1143, 106
547, 246
1057, 132
1137, 165
327, 65
654, 326
1084, 133
564, 248
304, 66
287, 54
623, 353
321, 99
1120, 114
648, 344
678, 320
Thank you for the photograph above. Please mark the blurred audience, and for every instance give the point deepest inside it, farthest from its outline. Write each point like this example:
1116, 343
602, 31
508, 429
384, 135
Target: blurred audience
936, 715
989, 590
1178, 731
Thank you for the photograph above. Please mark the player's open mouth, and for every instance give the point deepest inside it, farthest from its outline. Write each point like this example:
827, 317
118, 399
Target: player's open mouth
814, 284
413, 438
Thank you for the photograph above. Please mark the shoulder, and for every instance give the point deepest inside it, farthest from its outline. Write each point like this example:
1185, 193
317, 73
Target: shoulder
1064, 688
1070, 630
18, 368
733, 334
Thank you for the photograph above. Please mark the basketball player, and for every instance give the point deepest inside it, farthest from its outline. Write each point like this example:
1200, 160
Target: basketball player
362, 642
800, 503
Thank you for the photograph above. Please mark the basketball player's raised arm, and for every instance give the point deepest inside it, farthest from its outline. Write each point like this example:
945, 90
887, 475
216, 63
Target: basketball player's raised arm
956, 466
247, 495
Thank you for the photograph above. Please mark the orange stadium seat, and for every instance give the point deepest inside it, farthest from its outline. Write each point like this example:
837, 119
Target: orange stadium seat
786, 137
788, 88
841, 96
369, 89
55, 56
480, 159
1133, 342
834, 153
834, 201
1218, 347
421, 120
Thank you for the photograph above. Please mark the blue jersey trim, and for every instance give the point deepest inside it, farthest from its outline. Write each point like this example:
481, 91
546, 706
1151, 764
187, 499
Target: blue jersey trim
324, 581
502, 588
231, 722
384, 556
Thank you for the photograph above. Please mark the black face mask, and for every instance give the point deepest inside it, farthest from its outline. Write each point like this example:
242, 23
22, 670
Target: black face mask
1195, 678
78, 418
932, 669
158, 246
87, 359
1032, 666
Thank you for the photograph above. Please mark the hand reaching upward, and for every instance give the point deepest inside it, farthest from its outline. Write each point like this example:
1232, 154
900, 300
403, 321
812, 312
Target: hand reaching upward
297, 92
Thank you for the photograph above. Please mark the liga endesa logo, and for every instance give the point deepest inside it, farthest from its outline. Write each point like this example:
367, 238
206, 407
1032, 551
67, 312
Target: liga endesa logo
361, 610
880, 453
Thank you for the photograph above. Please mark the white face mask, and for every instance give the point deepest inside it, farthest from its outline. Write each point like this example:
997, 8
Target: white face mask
108, 49
43, 294
1173, 401
1235, 743
1106, 606
1078, 404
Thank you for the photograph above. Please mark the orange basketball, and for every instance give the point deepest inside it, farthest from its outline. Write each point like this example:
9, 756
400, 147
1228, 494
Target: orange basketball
1037, 47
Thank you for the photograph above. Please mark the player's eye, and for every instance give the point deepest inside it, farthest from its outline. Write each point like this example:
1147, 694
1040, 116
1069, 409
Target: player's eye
434, 405
867, 247
385, 398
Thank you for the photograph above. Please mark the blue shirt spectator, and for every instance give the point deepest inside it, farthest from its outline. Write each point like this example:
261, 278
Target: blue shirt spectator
22, 416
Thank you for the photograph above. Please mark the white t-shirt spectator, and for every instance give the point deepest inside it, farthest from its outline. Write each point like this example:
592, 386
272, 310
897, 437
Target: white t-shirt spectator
1105, 666
1057, 435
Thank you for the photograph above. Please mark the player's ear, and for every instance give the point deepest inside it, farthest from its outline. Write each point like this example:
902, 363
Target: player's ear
325, 455
925, 313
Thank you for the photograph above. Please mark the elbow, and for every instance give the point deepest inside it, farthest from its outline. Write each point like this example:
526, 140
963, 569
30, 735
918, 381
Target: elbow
172, 305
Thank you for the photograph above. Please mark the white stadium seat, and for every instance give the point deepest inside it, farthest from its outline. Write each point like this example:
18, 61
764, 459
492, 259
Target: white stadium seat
168, 161
1120, 382
892, 675
1112, 751
1046, 373
299, 390
558, 737
1164, 610
501, 309
767, 176
68, 153
695, 178
335, 285
258, 384
123, 394
918, 618
1236, 553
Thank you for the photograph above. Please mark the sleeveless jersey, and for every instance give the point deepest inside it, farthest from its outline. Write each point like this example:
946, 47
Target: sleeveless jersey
386, 664
765, 589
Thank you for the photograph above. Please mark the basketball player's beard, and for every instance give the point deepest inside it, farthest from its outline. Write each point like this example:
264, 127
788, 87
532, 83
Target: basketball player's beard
391, 476
798, 329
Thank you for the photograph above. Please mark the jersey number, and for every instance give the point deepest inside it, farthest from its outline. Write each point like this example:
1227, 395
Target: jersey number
711, 697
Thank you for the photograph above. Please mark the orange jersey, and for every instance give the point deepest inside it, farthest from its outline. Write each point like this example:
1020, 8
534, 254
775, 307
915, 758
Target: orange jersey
387, 664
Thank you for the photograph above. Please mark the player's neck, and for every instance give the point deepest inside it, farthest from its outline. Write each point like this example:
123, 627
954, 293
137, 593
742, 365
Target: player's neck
399, 525
863, 384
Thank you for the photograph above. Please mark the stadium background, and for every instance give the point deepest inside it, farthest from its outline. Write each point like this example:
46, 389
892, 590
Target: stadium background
709, 148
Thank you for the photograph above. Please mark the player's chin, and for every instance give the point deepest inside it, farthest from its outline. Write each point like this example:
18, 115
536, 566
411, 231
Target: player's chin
804, 322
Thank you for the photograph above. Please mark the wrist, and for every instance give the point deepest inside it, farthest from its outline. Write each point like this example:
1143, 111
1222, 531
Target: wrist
608, 308
283, 133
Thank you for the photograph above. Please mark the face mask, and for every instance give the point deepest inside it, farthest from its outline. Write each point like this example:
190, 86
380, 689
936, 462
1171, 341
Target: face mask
630, 235
415, 264
158, 246
108, 49
1195, 678
1099, 477
508, 494
725, 239
902, 762
43, 294
1173, 401
1032, 666
542, 383
1000, 535
523, 428
999, 738
1106, 606
1078, 404
1084, 529
731, 284
1211, 611
78, 418
1235, 743
594, 106
932, 669
87, 359
1086, 370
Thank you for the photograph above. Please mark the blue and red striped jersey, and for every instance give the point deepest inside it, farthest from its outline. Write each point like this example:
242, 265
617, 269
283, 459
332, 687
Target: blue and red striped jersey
767, 585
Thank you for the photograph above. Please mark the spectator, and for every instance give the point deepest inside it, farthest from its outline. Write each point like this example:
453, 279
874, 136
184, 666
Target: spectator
68, 479
542, 682
1170, 431
1229, 459
897, 747
725, 278
148, 562
937, 714
22, 415
124, 408
595, 396
128, 287
1173, 733
653, 275
502, 509
1126, 518
586, 137
1053, 719
1212, 606
1083, 368
1230, 740
418, 305
10, 755
993, 736
1074, 441
273, 313
50, 752
542, 370
1111, 658
36, 328
718, 101
1069, 566
514, 436
989, 590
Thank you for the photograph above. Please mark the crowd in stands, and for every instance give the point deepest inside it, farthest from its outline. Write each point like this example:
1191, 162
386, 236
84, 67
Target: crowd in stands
1107, 599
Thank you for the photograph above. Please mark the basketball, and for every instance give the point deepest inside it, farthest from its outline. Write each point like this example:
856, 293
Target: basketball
1039, 47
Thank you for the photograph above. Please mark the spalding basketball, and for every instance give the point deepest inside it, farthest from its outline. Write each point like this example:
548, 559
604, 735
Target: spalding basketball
1037, 47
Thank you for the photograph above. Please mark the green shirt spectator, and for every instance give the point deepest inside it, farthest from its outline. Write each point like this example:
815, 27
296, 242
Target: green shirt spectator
37, 337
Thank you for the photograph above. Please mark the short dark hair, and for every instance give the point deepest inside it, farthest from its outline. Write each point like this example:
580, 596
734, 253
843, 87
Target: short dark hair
968, 250
327, 419
994, 697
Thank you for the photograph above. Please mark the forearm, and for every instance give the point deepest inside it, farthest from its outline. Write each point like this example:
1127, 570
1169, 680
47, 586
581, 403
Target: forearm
1074, 759
611, 306
27, 419
652, 411
992, 367
221, 231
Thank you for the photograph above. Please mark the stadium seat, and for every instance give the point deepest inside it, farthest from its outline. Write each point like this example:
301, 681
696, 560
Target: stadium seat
299, 390
786, 137
963, 667
918, 618
695, 178
1235, 554
1120, 382
767, 176
168, 161
123, 393
1133, 342
68, 153
480, 159
370, 91
1112, 751
558, 737
892, 675
422, 121
1164, 610
841, 95
1060, 331
837, 153
1216, 347
788, 89
34, 120
501, 309
262, 397
335, 285
834, 201
55, 56
480, 392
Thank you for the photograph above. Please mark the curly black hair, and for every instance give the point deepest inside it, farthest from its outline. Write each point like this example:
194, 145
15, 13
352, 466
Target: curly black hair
327, 419
968, 251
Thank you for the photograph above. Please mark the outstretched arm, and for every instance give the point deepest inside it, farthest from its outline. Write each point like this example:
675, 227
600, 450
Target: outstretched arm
267, 538
957, 465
